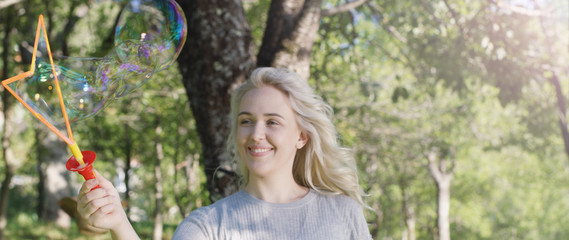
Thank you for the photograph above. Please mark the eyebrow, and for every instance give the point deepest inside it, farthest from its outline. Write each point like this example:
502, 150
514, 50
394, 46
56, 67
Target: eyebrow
266, 114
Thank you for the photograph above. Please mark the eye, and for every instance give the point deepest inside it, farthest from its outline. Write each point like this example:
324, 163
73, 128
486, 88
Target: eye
272, 122
245, 121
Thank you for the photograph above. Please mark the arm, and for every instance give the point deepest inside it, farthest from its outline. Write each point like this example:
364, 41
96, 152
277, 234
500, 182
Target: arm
101, 210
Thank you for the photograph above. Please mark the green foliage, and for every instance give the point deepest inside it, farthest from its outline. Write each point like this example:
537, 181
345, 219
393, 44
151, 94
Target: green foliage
415, 76
127, 122
26, 226
404, 77
256, 13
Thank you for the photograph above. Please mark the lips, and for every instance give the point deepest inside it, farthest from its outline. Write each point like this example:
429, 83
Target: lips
259, 151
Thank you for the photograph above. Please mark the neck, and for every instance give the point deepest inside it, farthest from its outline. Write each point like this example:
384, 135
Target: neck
275, 190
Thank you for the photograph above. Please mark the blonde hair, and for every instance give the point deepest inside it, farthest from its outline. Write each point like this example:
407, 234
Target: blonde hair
321, 164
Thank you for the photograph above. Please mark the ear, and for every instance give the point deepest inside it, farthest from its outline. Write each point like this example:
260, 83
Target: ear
302, 140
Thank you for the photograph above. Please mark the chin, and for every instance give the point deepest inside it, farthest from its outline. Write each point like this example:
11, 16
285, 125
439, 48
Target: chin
258, 173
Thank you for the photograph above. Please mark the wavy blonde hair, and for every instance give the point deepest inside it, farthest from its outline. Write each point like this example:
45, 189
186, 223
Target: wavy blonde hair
322, 164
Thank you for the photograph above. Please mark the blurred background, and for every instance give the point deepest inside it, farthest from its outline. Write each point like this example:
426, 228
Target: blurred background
455, 110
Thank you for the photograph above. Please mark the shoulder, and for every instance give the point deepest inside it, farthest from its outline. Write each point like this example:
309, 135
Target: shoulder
203, 221
348, 210
338, 201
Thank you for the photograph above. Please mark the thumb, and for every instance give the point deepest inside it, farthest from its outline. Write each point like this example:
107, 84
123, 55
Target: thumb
103, 182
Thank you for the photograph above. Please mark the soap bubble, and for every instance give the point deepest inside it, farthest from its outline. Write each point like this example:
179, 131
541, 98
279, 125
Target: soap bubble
148, 38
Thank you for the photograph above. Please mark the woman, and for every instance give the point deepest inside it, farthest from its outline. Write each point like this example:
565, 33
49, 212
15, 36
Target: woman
298, 182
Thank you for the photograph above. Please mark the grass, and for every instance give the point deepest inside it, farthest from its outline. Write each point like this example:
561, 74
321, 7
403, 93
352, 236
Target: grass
26, 226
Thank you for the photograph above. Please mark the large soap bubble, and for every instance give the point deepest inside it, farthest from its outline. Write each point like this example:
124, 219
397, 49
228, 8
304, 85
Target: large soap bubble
148, 38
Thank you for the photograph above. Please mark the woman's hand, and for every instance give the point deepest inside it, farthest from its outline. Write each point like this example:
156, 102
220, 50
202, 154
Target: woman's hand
101, 209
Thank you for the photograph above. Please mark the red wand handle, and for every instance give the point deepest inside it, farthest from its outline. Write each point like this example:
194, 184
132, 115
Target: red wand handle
85, 170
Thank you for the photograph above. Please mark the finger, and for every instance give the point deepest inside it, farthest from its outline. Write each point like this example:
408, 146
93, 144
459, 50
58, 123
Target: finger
86, 198
107, 211
91, 198
109, 208
94, 206
88, 185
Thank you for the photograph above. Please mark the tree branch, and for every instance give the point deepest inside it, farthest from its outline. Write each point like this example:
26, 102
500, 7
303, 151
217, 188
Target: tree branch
390, 28
522, 10
431, 12
450, 170
342, 8
432, 165
456, 18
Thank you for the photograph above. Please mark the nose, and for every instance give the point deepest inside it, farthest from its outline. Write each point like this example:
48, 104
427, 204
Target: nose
259, 131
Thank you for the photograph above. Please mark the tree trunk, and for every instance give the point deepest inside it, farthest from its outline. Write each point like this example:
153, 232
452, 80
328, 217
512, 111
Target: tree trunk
408, 212
411, 227
443, 208
52, 157
9, 171
128, 146
40, 208
561, 111
177, 150
72, 19
6, 103
157, 230
216, 58
442, 177
127, 168
561, 105
12, 124
177, 197
289, 36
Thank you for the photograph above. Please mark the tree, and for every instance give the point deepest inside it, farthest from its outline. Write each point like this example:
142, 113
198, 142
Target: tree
7, 156
13, 126
289, 35
54, 176
158, 221
442, 174
216, 57
470, 86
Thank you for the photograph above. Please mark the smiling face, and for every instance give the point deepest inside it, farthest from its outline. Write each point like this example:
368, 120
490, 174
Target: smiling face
268, 135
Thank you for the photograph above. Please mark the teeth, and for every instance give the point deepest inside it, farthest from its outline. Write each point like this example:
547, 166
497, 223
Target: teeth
260, 150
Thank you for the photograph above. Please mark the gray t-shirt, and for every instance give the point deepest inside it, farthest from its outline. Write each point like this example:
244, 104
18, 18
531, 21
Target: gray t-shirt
242, 216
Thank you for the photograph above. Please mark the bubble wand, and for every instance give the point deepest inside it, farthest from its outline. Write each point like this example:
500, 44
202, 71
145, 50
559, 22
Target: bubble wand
81, 162
143, 46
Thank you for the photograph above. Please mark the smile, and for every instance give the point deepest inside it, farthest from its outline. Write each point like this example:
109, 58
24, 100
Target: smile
260, 150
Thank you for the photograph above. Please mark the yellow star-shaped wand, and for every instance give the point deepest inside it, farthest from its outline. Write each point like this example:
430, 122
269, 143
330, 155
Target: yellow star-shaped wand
41, 33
